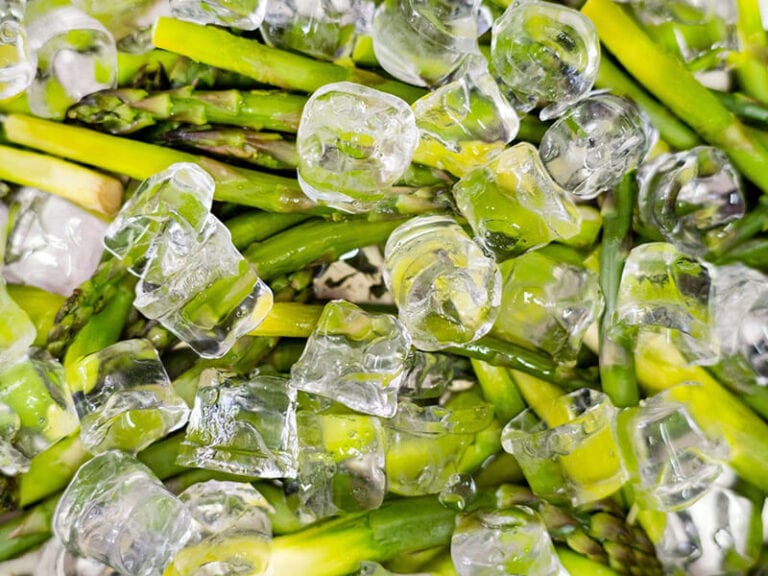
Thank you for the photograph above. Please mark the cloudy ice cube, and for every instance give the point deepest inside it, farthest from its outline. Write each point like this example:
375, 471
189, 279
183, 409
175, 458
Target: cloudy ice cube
54, 244
595, 143
513, 205
355, 358
446, 289
76, 56
422, 42
354, 142
509, 542
242, 425
243, 14
17, 68
325, 29
691, 197
12, 462
544, 53
117, 512
124, 397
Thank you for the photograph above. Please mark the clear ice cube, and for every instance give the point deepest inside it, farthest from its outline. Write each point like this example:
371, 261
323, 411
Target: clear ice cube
124, 397
548, 304
665, 290
426, 443
35, 389
465, 123
325, 29
17, 68
76, 56
243, 14
129, 21
242, 425
544, 53
233, 532
508, 542
117, 512
12, 462
423, 42
355, 358
513, 205
354, 143
446, 289
753, 338
670, 460
17, 332
163, 234
427, 375
56, 560
341, 464
599, 139
458, 492
691, 197
53, 244
552, 443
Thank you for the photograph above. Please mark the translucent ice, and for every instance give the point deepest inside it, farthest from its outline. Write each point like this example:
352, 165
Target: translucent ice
12, 462
458, 492
671, 462
163, 234
691, 197
117, 512
325, 29
354, 142
513, 205
243, 14
56, 560
543, 53
753, 338
509, 542
341, 464
129, 21
17, 333
598, 140
427, 375
34, 388
76, 56
54, 244
426, 443
465, 123
244, 426
124, 397
423, 42
17, 68
547, 304
664, 290
446, 289
233, 532
551, 445
355, 358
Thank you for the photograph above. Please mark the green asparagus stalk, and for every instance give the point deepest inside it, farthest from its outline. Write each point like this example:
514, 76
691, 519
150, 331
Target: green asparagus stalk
40, 305
128, 110
751, 62
667, 79
499, 389
268, 65
255, 226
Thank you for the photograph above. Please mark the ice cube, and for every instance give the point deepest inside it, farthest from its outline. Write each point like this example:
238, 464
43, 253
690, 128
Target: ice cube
426, 443
233, 532
325, 29
53, 244
17, 67
56, 560
129, 21
509, 542
427, 375
446, 289
341, 464
423, 42
118, 513
242, 425
547, 304
552, 442
17, 332
354, 142
599, 139
665, 290
691, 197
465, 123
671, 462
124, 397
544, 53
34, 388
243, 14
753, 338
76, 56
458, 492
355, 358
513, 205
12, 462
